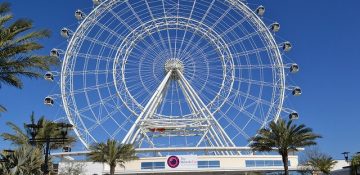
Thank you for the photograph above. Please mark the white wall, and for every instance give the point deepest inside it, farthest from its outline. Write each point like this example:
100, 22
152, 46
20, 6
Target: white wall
89, 167
227, 163
340, 164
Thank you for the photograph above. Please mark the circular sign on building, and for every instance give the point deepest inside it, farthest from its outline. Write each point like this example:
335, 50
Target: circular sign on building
173, 161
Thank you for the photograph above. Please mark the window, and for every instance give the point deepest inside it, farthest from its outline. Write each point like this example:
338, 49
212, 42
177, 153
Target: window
214, 164
263, 163
259, 163
152, 165
250, 163
209, 164
159, 165
269, 163
278, 163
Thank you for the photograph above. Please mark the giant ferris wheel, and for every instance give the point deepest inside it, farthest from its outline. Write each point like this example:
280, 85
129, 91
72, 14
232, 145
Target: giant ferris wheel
173, 73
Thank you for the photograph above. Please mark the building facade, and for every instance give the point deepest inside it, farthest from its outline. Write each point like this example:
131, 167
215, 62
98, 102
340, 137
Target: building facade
185, 164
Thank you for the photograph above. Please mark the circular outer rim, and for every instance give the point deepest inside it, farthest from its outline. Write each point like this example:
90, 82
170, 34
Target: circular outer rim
107, 4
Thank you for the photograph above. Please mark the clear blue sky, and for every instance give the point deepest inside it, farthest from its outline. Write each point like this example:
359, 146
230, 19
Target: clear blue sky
325, 34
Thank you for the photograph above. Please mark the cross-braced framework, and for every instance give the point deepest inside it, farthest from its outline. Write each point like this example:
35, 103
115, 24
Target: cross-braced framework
173, 73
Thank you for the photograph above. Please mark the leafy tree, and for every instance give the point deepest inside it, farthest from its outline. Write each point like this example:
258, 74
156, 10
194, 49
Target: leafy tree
72, 168
113, 153
17, 43
355, 165
285, 137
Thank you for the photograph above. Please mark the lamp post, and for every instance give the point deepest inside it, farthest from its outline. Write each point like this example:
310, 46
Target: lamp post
34, 131
346, 156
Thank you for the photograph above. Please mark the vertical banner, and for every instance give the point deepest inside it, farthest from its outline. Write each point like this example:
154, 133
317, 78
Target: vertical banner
181, 162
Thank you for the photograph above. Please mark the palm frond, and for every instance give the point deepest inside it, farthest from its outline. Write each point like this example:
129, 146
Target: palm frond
17, 44
2, 108
4, 7
34, 36
12, 80
19, 137
15, 49
19, 26
5, 18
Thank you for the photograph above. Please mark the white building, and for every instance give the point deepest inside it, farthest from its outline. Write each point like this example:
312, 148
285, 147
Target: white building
341, 168
185, 164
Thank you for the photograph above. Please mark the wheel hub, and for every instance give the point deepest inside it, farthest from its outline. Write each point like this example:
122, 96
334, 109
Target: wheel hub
174, 64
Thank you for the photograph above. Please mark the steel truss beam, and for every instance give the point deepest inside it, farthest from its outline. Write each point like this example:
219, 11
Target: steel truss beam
202, 121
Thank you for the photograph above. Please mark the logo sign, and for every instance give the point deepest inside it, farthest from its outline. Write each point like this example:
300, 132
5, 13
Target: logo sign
181, 162
173, 161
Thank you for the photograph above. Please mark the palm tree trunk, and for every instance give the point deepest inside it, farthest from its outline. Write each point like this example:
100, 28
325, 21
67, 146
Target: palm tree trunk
112, 169
285, 160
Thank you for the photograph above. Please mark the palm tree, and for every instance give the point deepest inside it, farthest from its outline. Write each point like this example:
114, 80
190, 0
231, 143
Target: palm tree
112, 153
315, 161
22, 136
25, 160
323, 163
355, 165
17, 44
285, 137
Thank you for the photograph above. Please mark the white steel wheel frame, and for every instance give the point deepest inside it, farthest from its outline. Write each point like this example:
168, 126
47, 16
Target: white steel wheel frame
226, 79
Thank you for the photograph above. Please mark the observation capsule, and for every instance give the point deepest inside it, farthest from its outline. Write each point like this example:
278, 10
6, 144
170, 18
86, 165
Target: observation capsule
54, 53
260, 10
96, 2
294, 68
296, 91
275, 27
65, 33
49, 76
49, 101
287, 46
293, 116
79, 15
66, 149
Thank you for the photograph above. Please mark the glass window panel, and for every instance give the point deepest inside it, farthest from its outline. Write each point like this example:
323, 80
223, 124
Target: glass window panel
214, 164
159, 165
202, 162
278, 163
250, 163
269, 163
153, 165
259, 163
209, 164
146, 165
